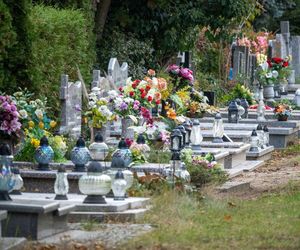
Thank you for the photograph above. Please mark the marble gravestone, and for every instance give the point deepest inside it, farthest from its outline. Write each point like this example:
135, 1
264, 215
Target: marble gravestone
116, 74
71, 101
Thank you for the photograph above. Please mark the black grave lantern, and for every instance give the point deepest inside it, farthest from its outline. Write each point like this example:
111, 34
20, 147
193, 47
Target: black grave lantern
245, 105
188, 128
183, 132
233, 112
176, 140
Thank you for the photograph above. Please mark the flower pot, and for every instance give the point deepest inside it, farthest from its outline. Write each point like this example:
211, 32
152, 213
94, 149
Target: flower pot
269, 93
282, 118
126, 131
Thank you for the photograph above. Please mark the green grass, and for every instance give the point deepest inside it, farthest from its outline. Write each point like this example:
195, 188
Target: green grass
184, 222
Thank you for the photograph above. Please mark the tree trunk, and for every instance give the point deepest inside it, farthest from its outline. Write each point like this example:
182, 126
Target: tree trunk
100, 18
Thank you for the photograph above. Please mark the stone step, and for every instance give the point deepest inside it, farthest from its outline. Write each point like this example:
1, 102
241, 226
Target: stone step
263, 154
131, 215
245, 167
12, 243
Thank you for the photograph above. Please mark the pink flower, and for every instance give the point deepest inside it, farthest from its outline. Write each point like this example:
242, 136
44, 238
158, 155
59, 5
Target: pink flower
187, 74
174, 69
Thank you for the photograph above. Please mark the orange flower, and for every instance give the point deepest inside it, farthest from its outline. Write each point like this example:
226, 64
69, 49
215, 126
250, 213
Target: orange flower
148, 80
171, 114
162, 83
151, 72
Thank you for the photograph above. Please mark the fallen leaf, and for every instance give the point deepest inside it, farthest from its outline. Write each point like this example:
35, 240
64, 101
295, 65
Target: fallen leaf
227, 218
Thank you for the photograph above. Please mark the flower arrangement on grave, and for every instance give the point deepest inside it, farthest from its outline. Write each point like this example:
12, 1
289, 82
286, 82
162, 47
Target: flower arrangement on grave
272, 71
240, 91
256, 42
10, 125
282, 111
36, 124
99, 112
203, 169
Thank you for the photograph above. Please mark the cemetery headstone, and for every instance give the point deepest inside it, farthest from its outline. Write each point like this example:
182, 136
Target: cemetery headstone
71, 101
118, 75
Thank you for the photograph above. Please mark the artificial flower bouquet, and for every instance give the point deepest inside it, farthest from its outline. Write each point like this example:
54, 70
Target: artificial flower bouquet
9, 117
282, 111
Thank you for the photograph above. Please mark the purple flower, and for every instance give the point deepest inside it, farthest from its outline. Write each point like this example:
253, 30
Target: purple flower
123, 106
174, 69
77, 107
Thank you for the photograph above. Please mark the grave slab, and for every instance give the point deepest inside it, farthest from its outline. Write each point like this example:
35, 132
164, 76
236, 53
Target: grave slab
263, 154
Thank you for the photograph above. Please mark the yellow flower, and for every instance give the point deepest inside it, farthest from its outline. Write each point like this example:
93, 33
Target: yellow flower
31, 124
53, 124
35, 142
183, 95
41, 125
171, 114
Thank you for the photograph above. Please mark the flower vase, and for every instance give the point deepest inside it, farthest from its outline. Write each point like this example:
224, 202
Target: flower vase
282, 118
269, 93
127, 132
104, 131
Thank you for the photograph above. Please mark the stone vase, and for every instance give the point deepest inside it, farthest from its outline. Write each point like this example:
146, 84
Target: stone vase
126, 131
269, 93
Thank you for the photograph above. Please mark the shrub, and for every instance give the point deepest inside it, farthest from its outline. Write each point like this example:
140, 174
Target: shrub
60, 42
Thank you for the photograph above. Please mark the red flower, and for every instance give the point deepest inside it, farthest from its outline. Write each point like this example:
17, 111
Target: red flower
131, 93
148, 87
143, 95
150, 98
142, 90
134, 85
121, 89
157, 102
285, 64
277, 60
128, 142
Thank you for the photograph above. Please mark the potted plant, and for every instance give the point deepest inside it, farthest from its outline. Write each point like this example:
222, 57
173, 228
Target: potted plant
282, 112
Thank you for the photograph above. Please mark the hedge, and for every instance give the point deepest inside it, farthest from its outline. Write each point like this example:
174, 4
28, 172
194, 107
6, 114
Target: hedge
60, 41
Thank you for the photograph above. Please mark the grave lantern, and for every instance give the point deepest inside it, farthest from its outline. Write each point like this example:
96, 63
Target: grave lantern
266, 136
245, 105
218, 129
98, 149
61, 184
188, 128
44, 154
119, 185
260, 134
6, 181
80, 155
176, 160
241, 110
233, 112
196, 136
176, 140
141, 141
94, 184
123, 153
254, 142
183, 132
297, 98
18, 181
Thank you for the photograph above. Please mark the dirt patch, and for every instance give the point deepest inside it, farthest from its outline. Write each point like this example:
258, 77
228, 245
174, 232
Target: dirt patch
275, 174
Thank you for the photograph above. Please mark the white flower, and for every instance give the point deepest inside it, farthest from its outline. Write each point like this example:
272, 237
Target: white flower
154, 81
32, 103
269, 75
95, 89
105, 111
128, 100
23, 113
264, 66
92, 104
39, 113
112, 94
275, 73
128, 81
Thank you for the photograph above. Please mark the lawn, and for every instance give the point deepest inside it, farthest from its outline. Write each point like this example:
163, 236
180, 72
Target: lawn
271, 221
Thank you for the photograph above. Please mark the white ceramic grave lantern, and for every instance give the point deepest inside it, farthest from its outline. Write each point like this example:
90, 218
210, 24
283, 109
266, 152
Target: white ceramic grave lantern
61, 184
184, 174
119, 186
260, 134
196, 136
98, 149
18, 180
245, 105
254, 142
297, 98
241, 110
266, 136
218, 129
